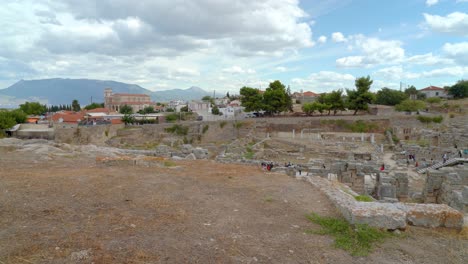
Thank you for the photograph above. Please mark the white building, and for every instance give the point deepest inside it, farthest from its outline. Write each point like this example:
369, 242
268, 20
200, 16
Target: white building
434, 91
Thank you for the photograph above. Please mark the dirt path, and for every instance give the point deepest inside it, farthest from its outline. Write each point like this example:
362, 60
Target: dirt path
52, 211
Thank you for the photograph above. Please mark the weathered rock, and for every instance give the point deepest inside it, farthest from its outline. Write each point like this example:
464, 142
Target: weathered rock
200, 153
80, 255
186, 149
378, 215
433, 215
190, 156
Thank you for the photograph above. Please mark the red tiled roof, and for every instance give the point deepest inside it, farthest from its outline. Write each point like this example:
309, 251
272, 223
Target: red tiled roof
125, 94
132, 103
68, 117
310, 94
98, 110
433, 88
116, 121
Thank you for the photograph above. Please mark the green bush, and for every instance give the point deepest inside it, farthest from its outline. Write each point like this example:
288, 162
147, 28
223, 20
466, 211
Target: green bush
238, 125
178, 130
222, 124
357, 239
172, 117
363, 198
205, 128
429, 119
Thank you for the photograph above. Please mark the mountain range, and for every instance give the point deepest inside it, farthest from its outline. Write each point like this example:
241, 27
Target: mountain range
63, 91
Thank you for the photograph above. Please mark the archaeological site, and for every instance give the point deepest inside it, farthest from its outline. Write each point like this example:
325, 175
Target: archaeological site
235, 191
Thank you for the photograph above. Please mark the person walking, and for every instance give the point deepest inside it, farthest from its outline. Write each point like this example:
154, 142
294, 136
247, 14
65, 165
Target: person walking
444, 158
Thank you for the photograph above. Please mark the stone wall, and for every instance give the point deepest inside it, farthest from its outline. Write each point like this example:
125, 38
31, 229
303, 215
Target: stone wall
96, 135
447, 186
387, 215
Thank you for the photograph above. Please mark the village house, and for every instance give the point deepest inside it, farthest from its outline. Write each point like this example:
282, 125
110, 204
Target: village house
114, 102
304, 97
434, 91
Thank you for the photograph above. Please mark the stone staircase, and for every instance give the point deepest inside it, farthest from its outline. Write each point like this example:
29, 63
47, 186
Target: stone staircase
449, 162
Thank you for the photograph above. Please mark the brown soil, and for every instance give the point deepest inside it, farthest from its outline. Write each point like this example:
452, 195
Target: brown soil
195, 212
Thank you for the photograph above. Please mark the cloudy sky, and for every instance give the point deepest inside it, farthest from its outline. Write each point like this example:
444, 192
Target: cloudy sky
226, 44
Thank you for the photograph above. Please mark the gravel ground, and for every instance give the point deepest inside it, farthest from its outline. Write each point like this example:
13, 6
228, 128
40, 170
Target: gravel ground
66, 209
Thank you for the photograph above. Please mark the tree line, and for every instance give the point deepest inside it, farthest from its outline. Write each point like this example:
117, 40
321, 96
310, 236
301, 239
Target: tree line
276, 98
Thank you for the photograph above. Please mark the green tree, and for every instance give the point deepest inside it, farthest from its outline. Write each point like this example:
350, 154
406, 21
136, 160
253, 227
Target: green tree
410, 106
7, 120
459, 90
126, 110
148, 110
433, 100
215, 110
184, 109
308, 108
75, 106
387, 96
412, 91
128, 119
360, 98
336, 101
276, 98
251, 99
94, 106
19, 116
33, 108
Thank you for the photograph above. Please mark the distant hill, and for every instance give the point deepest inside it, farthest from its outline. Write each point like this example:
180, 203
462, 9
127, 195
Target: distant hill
64, 91
192, 93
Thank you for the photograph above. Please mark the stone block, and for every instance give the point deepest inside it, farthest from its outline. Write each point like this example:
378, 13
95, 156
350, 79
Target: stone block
465, 194
200, 153
190, 156
433, 215
386, 190
186, 149
379, 215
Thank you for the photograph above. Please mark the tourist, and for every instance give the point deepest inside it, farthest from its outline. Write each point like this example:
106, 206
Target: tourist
460, 153
444, 157
382, 168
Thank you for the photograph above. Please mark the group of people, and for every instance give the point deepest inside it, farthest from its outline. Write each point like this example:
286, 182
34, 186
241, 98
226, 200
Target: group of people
267, 166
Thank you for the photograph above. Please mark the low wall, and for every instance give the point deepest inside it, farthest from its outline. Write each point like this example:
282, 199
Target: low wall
387, 215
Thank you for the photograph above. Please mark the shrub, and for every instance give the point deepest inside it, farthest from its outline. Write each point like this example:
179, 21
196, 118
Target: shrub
363, 198
357, 240
172, 117
238, 125
429, 119
222, 124
205, 128
178, 130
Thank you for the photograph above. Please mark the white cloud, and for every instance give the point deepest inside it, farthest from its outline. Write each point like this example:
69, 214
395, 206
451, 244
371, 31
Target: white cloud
324, 81
338, 37
395, 73
322, 39
431, 2
456, 71
281, 69
457, 51
374, 52
454, 23
238, 70
427, 59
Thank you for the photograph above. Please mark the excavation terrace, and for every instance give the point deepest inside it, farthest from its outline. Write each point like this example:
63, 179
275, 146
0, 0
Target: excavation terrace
202, 191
